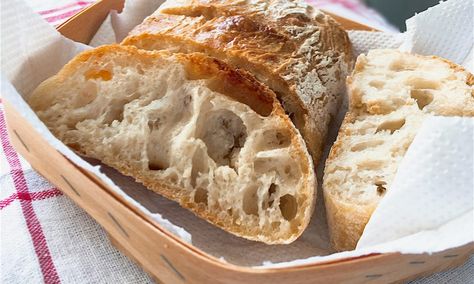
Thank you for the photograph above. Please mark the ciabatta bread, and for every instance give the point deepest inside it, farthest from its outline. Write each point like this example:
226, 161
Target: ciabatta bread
302, 54
390, 94
190, 128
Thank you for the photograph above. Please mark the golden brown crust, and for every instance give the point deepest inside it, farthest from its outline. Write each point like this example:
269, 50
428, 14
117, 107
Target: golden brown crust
237, 84
300, 53
199, 66
456, 68
346, 221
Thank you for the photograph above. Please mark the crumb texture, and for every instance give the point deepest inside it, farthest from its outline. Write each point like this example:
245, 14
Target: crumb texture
391, 93
167, 120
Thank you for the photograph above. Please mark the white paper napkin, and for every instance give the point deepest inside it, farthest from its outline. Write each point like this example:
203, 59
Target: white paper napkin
133, 14
433, 186
446, 30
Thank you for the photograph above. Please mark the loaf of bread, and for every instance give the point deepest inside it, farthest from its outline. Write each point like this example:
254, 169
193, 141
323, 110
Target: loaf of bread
299, 52
188, 127
390, 94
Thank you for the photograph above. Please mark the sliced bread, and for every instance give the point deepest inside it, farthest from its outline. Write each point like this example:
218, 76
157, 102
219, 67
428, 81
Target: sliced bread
188, 127
390, 94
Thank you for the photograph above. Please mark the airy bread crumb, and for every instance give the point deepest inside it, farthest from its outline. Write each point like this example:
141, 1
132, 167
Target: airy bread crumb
390, 94
190, 128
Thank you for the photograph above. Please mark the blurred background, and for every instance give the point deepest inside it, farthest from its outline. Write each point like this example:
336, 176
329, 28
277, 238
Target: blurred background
383, 15
397, 11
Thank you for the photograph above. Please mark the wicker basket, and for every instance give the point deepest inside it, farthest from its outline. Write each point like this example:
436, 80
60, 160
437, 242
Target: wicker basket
169, 259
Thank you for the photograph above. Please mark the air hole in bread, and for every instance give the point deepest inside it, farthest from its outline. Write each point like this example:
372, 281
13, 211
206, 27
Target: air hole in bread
380, 187
224, 134
370, 165
271, 195
98, 74
275, 138
250, 201
283, 166
114, 112
157, 164
154, 166
199, 166
365, 145
276, 225
422, 83
140, 69
288, 206
422, 97
187, 100
200, 195
391, 125
402, 65
377, 84
291, 171
264, 164
279, 138
154, 124
173, 178
157, 155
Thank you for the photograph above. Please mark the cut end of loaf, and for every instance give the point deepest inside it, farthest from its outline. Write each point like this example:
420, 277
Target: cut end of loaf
391, 93
175, 123
302, 54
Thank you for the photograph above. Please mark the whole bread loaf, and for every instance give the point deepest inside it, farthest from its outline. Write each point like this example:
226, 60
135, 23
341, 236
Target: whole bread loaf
190, 128
390, 94
299, 52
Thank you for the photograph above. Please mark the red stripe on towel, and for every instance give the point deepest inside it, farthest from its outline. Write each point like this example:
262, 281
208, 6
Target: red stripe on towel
78, 3
50, 275
62, 16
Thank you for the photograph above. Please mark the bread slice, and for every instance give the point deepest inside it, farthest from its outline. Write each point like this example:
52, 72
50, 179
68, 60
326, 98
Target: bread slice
190, 128
390, 94
302, 54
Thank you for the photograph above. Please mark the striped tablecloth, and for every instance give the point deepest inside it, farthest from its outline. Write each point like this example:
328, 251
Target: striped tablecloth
44, 237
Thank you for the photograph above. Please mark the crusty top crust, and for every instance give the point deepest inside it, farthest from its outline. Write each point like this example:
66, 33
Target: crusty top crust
299, 52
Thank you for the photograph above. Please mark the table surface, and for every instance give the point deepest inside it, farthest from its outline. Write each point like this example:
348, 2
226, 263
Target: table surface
45, 237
